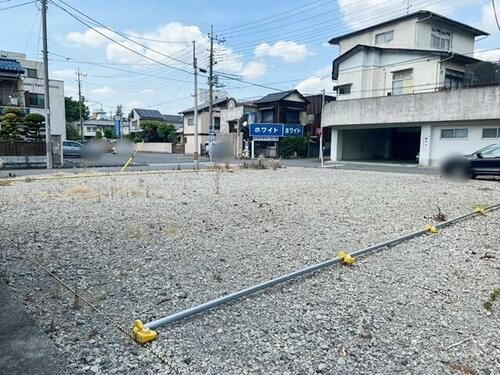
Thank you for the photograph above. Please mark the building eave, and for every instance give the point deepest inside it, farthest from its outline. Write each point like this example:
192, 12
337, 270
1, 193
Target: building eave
421, 14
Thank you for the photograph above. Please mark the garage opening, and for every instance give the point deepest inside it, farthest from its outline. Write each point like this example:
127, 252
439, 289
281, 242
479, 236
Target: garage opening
395, 145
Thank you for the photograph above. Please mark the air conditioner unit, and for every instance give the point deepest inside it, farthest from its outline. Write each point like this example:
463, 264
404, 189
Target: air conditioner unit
14, 100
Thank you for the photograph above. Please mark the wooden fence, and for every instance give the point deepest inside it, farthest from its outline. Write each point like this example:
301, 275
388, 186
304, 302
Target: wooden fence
21, 148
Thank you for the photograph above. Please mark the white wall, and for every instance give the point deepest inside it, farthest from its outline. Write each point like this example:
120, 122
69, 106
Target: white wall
442, 148
57, 110
404, 36
371, 72
159, 147
461, 40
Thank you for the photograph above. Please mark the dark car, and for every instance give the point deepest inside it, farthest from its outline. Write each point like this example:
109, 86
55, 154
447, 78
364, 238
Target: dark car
484, 162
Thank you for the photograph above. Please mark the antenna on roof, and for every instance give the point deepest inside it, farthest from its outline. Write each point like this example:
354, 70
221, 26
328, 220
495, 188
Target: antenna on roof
408, 4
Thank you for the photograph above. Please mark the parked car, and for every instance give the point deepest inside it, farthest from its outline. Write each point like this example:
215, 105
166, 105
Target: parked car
72, 149
483, 162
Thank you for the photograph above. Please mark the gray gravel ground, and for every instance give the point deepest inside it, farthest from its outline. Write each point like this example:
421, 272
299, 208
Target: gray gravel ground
148, 246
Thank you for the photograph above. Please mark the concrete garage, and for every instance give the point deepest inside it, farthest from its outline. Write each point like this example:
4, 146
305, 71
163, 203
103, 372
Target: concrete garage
400, 144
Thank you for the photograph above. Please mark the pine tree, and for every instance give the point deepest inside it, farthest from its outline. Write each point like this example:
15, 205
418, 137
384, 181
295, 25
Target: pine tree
11, 124
34, 126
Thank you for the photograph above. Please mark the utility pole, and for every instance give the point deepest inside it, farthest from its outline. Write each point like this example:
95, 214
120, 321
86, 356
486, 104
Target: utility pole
211, 88
211, 82
195, 120
48, 139
80, 103
321, 128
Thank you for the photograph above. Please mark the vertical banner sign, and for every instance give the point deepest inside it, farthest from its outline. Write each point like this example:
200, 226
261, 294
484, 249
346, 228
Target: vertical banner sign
118, 127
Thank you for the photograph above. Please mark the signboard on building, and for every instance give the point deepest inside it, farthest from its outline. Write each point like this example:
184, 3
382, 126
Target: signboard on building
266, 130
118, 127
294, 130
266, 139
275, 130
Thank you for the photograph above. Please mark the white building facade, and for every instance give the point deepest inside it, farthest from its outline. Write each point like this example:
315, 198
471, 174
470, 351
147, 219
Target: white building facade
406, 92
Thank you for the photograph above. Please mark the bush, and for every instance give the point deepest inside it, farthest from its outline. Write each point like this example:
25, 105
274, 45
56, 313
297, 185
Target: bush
292, 147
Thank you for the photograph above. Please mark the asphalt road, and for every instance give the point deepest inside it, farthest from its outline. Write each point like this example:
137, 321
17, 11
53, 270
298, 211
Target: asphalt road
153, 161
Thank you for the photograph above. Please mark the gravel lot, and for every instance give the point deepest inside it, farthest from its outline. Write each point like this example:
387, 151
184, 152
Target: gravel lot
150, 245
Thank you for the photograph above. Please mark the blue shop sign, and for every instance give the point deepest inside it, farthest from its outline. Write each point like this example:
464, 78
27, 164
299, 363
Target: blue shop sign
294, 130
266, 130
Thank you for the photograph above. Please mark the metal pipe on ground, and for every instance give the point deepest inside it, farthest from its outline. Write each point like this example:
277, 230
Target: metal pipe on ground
310, 269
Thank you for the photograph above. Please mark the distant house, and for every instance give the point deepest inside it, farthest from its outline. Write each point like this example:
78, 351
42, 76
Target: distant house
21, 85
203, 124
99, 121
175, 120
286, 107
137, 115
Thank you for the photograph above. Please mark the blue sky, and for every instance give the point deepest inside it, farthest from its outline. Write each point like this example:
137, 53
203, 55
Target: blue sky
278, 43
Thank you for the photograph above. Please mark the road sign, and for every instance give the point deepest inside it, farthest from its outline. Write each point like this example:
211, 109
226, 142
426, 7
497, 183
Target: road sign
266, 130
294, 130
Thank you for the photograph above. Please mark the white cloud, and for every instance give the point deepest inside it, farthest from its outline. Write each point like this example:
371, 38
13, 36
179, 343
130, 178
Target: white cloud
147, 91
254, 70
289, 51
321, 80
492, 55
105, 90
89, 38
228, 60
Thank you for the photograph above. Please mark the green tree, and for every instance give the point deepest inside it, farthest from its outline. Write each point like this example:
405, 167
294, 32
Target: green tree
98, 135
150, 130
72, 132
291, 147
168, 133
157, 131
73, 109
109, 133
34, 125
11, 124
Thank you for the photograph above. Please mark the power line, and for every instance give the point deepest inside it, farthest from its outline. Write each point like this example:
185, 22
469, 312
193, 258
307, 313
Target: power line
116, 42
495, 13
18, 5
122, 34
268, 17
327, 31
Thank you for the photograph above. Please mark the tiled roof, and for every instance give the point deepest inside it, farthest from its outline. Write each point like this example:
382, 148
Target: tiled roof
11, 66
204, 106
173, 119
151, 114
277, 96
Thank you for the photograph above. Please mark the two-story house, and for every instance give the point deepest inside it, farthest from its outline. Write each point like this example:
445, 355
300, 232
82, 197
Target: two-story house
203, 125
404, 92
24, 88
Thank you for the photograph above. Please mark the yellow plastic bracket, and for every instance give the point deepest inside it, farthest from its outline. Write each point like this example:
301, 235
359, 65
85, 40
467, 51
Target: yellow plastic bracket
480, 210
431, 229
347, 259
142, 333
